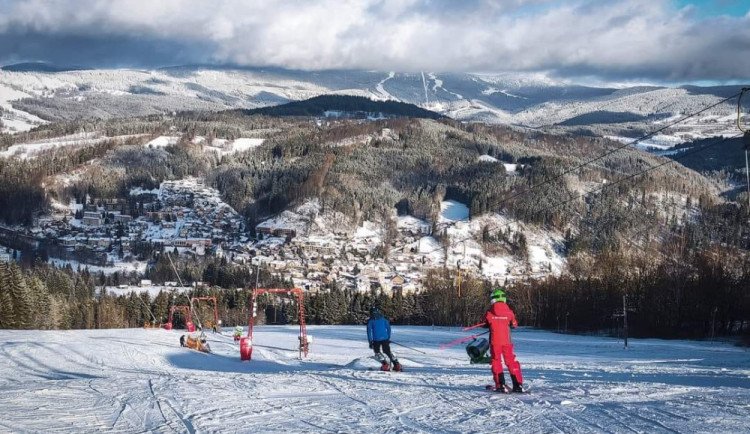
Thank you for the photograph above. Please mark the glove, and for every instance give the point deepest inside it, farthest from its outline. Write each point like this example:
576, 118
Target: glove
370, 344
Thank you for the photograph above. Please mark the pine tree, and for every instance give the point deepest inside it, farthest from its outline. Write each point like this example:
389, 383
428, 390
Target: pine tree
22, 303
41, 301
7, 317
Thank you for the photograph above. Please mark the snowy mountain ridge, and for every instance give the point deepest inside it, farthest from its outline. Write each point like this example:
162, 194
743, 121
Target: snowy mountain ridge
30, 98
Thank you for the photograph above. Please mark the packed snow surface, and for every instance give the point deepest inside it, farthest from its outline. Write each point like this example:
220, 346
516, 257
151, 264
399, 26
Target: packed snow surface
141, 380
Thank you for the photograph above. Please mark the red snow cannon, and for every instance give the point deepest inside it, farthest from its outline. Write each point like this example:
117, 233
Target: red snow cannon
246, 348
168, 326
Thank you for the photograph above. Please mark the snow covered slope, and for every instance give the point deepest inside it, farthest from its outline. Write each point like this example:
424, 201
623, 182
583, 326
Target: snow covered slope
141, 380
532, 100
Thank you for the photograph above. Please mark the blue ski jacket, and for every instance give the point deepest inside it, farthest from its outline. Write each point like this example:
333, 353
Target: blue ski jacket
378, 328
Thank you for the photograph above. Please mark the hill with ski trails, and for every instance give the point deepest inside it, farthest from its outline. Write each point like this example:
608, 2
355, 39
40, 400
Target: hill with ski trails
137, 380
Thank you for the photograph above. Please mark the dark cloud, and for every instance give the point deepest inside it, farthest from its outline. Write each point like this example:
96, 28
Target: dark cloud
617, 39
100, 51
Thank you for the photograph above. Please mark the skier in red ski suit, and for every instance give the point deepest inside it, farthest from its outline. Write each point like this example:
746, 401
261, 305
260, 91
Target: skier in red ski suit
499, 318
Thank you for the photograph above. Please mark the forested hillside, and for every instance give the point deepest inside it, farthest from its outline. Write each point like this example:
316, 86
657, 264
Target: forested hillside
666, 237
345, 106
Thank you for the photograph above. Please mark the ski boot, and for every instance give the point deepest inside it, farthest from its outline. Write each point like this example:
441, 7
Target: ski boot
384, 365
517, 387
500, 385
397, 366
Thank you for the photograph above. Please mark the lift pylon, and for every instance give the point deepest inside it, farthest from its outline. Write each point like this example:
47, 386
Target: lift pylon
217, 321
187, 312
246, 343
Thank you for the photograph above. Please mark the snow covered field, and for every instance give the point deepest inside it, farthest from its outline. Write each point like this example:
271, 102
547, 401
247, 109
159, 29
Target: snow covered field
141, 380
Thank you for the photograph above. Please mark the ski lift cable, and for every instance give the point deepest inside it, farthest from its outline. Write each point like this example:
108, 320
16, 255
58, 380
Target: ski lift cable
148, 309
638, 234
746, 140
606, 186
608, 153
739, 109
190, 301
632, 214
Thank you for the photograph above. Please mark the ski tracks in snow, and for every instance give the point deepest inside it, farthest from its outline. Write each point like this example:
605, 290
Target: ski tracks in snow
142, 381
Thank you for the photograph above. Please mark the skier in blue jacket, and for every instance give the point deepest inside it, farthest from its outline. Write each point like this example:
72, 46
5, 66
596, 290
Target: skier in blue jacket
379, 335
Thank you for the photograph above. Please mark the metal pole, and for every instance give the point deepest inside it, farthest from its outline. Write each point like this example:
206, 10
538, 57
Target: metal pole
408, 347
625, 319
459, 278
747, 174
257, 274
253, 308
713, 323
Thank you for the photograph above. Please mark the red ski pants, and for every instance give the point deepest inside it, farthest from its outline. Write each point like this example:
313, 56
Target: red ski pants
514, 368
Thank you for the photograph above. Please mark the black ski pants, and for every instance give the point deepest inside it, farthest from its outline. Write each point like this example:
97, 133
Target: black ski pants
386, 345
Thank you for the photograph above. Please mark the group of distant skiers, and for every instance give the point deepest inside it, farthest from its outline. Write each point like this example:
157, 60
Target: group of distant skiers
499, 319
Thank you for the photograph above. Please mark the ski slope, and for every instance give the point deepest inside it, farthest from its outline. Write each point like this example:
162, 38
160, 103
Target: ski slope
141, 380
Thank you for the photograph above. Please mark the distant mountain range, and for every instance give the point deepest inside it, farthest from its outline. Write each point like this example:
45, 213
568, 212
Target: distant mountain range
39, 67
32, 92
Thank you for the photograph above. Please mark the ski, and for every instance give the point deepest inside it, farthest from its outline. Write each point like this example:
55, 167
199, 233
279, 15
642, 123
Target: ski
504, 389
389, 369
507, 389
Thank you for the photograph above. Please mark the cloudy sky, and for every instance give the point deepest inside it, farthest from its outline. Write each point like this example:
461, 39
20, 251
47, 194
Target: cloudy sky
658, 40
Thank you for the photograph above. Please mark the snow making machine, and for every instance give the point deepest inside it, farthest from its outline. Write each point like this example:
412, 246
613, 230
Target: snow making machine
246, 343
192, 340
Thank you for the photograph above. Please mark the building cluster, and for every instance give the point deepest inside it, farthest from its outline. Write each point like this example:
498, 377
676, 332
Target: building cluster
316, 254
313, 250
183, 214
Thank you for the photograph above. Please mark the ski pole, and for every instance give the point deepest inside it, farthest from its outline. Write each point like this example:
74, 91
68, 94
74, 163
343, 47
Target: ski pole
466, 329
458, 341
410, 348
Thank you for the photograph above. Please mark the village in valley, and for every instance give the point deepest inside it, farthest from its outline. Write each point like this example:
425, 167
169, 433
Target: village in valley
307, 246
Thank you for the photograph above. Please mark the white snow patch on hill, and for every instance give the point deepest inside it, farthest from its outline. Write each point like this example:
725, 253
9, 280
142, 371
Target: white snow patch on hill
382, 93
413, 224
151, 290
287, 220
162, 141
227, 147
32, 149
544, 247
509, 168
544, 255
452, 211
14, 120
138, 380
659, 141
244, 144
117, 267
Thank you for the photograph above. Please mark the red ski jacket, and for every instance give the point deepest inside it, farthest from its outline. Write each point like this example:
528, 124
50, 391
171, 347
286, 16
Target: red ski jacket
498, 318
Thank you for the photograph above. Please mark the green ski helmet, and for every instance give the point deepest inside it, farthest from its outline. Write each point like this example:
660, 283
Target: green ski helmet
498, 295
